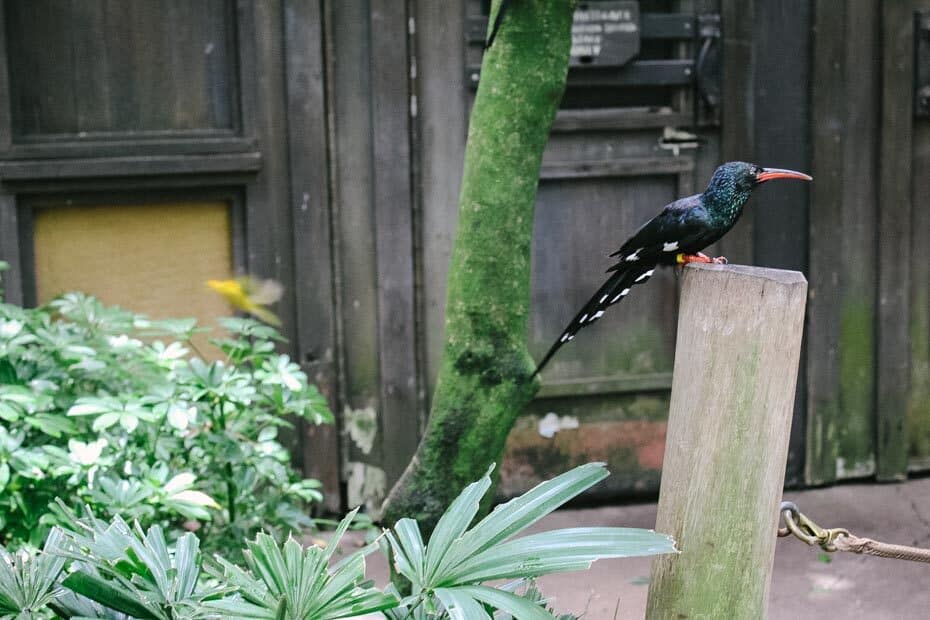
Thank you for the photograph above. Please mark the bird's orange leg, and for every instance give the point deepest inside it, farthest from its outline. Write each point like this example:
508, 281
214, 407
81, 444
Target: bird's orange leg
700, 257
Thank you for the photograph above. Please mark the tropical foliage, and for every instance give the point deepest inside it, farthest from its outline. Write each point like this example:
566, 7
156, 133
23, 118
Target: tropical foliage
90, 568
106, 408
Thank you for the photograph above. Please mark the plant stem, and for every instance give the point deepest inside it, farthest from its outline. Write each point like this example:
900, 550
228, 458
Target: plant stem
231, 493
228, 469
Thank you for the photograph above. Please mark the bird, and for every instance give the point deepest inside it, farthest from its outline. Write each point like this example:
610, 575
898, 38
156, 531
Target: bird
251, 295
675, 236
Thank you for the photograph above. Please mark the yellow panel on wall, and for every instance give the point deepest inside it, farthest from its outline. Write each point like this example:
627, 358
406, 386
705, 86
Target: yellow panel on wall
154, 259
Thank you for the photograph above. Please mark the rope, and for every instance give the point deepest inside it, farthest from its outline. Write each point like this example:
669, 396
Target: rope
840, 539
867, 546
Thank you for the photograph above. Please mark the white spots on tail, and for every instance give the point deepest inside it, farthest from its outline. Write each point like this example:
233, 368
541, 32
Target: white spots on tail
603, 298
584, 318
645, 276
596, 316
634, 256
622, 293
669, 246
565, 338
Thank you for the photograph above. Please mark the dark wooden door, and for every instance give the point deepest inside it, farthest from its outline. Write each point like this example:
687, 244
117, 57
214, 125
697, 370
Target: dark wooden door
166, 141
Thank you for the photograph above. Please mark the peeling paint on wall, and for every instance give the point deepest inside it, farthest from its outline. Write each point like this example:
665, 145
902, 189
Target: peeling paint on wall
857, 469
366, 486
552, 423
362, 425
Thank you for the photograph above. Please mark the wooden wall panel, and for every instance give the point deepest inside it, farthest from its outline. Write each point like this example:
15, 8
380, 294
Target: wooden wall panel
579, 222
313, 258
442, 119
893, 363
98, 66
844, 203
393, 208
782, 78
918, 409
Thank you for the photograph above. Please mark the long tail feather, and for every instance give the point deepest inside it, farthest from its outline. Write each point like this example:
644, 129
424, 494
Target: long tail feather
612, 291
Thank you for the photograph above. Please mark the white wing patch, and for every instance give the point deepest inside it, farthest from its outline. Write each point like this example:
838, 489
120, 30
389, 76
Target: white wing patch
645, 276
669, 246
634, 256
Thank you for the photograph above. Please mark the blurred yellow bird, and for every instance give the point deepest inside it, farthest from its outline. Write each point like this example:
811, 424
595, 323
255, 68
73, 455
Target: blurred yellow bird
250, 295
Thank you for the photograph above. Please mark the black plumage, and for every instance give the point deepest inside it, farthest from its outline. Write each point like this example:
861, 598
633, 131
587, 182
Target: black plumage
674, 237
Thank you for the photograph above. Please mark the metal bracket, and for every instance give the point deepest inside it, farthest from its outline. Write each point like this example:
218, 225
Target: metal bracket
708, 66
922, 64
702, 71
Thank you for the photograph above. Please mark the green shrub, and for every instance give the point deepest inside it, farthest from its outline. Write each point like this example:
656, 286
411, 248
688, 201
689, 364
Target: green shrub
117, 571
103, 407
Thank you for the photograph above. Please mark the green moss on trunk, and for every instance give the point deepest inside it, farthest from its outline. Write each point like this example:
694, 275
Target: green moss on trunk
483, 381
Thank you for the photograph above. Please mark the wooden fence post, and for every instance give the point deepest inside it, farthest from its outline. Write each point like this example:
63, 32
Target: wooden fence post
736, 366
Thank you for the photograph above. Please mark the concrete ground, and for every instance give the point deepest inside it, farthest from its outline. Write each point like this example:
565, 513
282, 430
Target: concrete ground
804, 585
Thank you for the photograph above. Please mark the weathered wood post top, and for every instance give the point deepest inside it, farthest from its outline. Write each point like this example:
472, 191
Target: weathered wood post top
736, 367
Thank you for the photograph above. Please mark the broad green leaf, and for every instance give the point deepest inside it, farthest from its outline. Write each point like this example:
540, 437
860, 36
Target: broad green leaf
558, 551
333, 543
516, 606
17, 394
519, 513
179, 482
359, 603
9, 412
104, 592
409, 551
453, 523
105, 421
460, 606
54, 425
92, 406
187, 564
238, 609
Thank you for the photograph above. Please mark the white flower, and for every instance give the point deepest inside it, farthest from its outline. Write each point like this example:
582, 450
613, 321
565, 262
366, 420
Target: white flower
86, 453
8, 329
123, 342
172, 352
181, 418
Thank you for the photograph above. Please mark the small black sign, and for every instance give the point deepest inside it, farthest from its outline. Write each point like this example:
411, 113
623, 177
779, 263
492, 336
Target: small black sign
605, 34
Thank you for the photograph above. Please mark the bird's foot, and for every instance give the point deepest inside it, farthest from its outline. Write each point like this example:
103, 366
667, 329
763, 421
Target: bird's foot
700, 257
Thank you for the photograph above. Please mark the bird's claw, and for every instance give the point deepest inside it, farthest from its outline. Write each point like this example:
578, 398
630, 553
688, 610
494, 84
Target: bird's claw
720, 260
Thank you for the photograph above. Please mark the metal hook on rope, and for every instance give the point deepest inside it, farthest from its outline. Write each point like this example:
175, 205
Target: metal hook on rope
803, 528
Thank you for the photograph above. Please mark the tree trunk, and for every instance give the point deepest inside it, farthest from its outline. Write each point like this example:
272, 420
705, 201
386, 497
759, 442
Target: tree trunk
484, 375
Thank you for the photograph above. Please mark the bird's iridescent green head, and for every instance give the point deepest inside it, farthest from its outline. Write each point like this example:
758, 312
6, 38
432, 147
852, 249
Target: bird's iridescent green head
733, 182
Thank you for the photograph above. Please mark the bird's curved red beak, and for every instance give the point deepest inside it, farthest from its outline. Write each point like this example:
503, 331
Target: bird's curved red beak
768, 174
